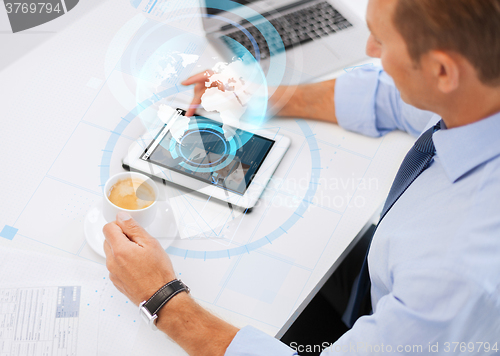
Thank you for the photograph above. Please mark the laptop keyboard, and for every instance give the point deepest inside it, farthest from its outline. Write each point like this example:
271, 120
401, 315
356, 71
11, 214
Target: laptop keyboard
295, 28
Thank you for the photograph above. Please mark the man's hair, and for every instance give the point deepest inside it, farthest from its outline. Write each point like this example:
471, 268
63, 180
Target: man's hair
470, 28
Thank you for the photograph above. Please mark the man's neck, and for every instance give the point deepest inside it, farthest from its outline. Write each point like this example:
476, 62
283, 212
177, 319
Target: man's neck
469, 107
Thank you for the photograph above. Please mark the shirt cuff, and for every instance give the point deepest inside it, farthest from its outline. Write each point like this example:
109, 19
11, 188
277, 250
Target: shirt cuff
355, 95
252, 342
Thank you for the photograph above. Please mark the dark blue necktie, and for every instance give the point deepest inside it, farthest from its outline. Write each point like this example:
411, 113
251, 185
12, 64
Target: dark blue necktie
416, 161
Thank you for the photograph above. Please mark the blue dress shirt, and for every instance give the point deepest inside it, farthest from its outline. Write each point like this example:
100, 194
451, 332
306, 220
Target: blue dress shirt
435, 258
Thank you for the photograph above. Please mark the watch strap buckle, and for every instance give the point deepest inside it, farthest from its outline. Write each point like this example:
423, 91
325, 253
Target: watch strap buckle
146, 315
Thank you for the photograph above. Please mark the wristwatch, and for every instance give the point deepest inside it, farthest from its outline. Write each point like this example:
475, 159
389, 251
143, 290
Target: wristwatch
149, 308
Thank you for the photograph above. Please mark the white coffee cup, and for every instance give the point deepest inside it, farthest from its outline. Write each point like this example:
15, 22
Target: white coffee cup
143, 216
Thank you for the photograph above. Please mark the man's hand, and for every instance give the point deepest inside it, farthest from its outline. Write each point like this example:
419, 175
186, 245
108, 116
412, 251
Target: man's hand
138, 266
199, 80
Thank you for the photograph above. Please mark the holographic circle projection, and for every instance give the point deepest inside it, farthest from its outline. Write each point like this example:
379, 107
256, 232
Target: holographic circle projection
226, 141
246, 248
205, 140
199, 137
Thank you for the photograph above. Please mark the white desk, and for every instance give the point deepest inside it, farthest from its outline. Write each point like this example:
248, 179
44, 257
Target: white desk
62, 126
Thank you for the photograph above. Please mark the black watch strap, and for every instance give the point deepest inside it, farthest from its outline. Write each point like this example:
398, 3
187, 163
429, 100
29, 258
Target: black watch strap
163, 295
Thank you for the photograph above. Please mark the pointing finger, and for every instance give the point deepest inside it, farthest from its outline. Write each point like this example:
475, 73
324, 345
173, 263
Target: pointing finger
114, 235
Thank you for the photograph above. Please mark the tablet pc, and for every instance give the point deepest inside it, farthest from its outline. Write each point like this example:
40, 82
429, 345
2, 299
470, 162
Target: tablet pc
222, 161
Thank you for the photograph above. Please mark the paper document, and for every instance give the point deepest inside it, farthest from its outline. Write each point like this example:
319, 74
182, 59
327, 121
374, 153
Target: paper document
49, 306
39, 321
53, 306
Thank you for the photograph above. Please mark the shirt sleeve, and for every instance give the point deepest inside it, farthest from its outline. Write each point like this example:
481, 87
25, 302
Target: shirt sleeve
368, 102
428, 312
250, 341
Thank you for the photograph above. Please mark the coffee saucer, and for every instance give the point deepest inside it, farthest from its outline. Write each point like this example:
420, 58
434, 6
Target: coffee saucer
163, 228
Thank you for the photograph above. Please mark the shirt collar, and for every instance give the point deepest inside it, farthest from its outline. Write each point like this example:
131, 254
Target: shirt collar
463, 148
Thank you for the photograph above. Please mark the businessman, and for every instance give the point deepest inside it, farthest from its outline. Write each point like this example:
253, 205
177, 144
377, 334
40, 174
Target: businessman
433, 266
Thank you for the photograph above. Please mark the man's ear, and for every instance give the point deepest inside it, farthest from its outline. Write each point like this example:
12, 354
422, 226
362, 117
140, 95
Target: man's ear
445, 69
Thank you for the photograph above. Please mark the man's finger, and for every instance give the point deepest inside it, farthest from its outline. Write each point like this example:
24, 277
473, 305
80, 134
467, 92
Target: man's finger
195, 104
132, 229
114, 235
107, 249
191, 110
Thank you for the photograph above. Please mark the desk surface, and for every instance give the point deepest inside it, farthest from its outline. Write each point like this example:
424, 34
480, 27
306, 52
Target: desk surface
63, 133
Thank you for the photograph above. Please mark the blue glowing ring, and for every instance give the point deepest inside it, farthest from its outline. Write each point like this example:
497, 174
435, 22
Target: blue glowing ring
247, 248
196, 168
204, 164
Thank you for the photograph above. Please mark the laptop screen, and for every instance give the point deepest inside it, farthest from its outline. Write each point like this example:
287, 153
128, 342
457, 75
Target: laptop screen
213, 9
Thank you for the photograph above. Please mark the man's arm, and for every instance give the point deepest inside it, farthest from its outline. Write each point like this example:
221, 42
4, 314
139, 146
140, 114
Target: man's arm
368, 102
192, 327
365, 101
309, 101
138, 267
428, 311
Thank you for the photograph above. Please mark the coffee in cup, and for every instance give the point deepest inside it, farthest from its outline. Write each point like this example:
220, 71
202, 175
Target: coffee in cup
132, 193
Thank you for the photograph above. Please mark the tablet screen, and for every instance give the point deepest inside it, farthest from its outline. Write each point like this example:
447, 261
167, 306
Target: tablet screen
211, 152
